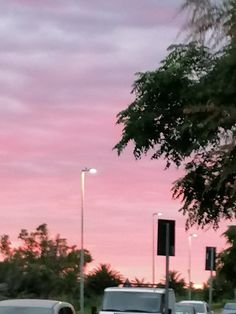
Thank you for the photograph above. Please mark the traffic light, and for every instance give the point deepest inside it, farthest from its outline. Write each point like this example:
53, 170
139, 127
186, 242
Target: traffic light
161, 237
210, 258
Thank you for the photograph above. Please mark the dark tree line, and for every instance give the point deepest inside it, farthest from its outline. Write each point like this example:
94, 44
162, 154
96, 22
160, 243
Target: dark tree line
43, 267
40, 266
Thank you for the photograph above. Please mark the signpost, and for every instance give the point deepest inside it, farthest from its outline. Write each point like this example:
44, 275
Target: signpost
166, 247
210, 265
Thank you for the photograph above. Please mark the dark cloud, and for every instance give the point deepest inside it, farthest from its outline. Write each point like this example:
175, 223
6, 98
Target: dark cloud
67, 52
55, 68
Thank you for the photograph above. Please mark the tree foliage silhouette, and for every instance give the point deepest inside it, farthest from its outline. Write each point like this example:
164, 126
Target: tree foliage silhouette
102, 277
40, 266
185, 113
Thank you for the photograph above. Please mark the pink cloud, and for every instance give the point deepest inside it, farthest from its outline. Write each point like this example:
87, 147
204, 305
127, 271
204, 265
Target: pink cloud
67, 70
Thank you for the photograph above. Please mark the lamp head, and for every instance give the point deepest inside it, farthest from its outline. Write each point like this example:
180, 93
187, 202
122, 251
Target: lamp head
90, 170
157, 214
193, 235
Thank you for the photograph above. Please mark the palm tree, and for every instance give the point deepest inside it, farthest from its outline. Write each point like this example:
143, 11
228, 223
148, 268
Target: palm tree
139, 282
102, 277
176, 282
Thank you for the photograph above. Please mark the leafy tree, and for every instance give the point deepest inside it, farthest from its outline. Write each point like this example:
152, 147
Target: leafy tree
40, 266
185, 112
222, 289
212, 19
102, 277
226, 270
223, 281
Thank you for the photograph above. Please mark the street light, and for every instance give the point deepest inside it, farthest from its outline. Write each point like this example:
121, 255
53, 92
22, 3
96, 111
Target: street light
83, 172
153, 244
192, 235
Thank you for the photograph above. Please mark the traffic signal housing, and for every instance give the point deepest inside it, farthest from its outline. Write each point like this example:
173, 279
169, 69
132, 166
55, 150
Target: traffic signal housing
210, 262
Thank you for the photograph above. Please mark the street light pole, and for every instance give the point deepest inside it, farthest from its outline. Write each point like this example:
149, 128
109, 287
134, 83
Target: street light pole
153, 244
192, 235
83, 172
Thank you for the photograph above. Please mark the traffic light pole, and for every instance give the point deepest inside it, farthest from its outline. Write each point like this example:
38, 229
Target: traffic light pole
211, 277
167, 268
166, 247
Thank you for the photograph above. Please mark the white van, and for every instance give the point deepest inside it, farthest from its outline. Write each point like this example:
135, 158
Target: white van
136, 300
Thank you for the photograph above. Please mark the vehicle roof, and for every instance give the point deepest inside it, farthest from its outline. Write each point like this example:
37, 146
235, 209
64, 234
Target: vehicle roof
184, 305
137, 289
192, 301
230, 305
31, 302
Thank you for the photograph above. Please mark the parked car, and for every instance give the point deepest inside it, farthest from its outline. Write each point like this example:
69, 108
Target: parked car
35, 306
136, 300
201, 307
184, 309
229, 308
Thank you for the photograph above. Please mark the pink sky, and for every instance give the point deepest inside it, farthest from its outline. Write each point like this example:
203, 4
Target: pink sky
67, 68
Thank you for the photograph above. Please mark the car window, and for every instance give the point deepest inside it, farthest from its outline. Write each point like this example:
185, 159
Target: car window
122, 301
66, 310
199, 307
183, 309
230, 306
24, 310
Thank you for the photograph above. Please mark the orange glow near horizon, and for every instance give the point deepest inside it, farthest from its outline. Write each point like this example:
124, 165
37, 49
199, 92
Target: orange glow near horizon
198, 285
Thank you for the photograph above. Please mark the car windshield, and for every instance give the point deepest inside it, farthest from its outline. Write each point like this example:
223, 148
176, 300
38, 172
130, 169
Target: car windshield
230, 306
24, 310
199, 307
125, 301
183, 309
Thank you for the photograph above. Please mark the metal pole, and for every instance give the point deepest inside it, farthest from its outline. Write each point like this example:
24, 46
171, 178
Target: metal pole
83, 172
189, 267
153, 248
167, 268
211, 279
82, 246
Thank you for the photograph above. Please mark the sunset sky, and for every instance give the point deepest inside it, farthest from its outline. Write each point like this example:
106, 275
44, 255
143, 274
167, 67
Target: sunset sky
67, 68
